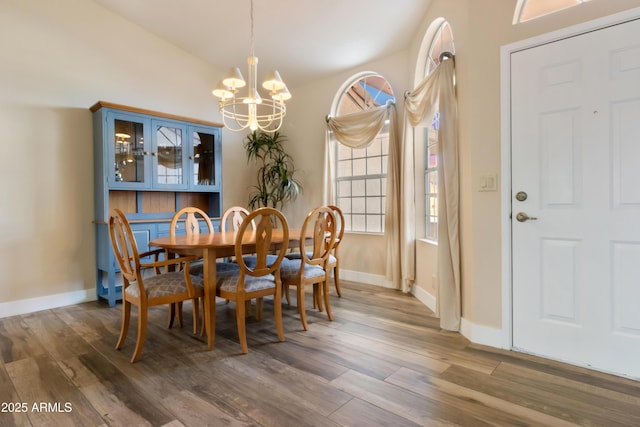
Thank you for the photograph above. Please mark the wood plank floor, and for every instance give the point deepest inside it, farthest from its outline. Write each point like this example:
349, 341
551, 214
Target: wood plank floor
383, 361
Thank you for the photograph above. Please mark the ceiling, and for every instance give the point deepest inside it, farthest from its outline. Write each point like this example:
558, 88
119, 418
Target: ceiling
303, 39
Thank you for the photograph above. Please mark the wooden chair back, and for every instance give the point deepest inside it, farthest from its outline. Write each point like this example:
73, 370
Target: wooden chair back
261, 223
338, 225
323, 221
192, 217
233, 217
124, 246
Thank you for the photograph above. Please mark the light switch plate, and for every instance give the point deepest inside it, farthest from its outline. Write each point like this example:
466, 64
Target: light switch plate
488, 182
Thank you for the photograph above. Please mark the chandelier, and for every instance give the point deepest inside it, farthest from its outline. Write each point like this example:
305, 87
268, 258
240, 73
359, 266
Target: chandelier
252, 111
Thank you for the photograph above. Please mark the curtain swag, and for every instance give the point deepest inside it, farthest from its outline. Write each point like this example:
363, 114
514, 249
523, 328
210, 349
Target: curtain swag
357, 130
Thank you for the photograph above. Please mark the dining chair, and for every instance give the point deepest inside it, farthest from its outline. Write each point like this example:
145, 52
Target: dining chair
259, 280
231, 220
333, 262
190, 218
311, 267
167, 287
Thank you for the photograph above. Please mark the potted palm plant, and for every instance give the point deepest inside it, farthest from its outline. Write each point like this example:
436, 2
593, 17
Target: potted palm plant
276, 184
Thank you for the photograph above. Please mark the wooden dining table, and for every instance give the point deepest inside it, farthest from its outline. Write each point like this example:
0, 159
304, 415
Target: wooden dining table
211, 247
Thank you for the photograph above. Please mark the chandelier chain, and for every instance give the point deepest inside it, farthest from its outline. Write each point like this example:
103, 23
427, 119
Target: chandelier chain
252, 44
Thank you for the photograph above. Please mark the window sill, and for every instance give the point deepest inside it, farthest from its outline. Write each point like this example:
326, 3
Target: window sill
364, 233
428, 242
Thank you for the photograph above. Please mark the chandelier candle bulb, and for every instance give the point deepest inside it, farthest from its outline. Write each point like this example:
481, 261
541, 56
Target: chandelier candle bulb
273, 82
234, 79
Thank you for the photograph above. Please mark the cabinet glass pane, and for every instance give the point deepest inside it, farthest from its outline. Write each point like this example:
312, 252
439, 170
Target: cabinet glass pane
169, 146
203, 159
128, 143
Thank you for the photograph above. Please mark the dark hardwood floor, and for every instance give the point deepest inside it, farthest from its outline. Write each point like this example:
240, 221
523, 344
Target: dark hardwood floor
383, 361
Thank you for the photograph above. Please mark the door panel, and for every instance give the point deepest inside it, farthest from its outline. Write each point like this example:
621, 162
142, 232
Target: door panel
576, 153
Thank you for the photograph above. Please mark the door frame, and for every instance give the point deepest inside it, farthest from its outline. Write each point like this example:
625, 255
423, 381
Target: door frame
505, 147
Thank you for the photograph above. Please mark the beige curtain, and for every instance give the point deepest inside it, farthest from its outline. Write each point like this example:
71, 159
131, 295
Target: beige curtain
358, 130
437, 93
407, 200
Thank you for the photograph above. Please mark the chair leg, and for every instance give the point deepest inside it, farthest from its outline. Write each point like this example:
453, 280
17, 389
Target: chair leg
179, 304
277, 312
172, 315
126, 317
317, 297
285, 289
259, 305
325, 288
336, 280
142, 333
301, 310
247, 308
196, 315
203, 330
240, 320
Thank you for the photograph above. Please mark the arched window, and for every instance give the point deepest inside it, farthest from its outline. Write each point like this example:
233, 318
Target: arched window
437, 43
530, 9
361, 174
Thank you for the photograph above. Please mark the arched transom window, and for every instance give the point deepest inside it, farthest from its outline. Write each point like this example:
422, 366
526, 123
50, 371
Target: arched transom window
530, 9
361, 176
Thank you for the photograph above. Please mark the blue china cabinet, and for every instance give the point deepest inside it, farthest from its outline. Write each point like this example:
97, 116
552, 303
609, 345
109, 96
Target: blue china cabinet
149, 165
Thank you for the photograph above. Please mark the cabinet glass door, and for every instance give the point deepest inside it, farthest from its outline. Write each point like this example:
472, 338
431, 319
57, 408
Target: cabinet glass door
205, 144
128, 144
204, 172
169, 147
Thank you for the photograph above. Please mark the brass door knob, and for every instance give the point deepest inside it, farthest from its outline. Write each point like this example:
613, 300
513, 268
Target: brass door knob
522, 217
521, 196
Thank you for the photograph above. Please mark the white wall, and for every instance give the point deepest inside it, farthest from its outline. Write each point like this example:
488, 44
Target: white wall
56, 60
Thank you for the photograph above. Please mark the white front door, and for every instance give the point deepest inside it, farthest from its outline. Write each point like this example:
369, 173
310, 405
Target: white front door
575, 147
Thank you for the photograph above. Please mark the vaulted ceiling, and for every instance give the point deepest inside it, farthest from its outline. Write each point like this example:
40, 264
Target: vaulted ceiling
303, 39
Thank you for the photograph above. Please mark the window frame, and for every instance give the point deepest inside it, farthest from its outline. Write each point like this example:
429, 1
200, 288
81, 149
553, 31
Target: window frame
373, 220
430, 218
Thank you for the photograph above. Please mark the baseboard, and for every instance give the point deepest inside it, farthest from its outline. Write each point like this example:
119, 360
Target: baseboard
15, 308
424, 297
366, 278
482, 335
374, 279
477, 334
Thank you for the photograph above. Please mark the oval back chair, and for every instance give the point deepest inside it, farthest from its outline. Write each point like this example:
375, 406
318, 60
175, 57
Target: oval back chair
262, 278
170, 287
311, 266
